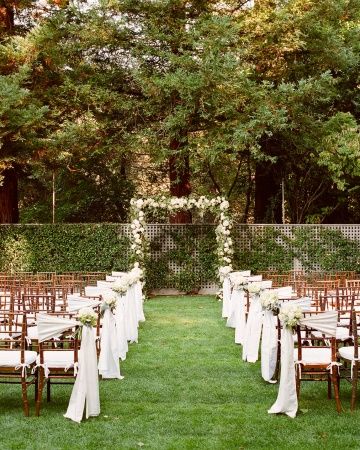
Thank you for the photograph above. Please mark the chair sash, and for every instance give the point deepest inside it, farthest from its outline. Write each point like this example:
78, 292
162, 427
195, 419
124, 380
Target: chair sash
253, 331
109, 355
120, 320
226, 297
86, 387
85, 393
269, 346
76, 303
286, 401
139, 302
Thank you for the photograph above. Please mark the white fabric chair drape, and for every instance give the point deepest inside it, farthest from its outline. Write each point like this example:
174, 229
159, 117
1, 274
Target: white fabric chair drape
269, 346
226, 297
109, 354
286, 401
120, 320
131, 314
139, 302
253, 331
85, 393
76, 303
86, 388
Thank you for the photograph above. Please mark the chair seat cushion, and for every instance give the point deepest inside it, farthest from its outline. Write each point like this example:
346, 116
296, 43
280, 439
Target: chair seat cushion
314, 355
347, 352
342, 334
12, 358
58, 358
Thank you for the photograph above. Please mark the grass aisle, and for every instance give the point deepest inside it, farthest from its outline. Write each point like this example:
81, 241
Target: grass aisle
185, 387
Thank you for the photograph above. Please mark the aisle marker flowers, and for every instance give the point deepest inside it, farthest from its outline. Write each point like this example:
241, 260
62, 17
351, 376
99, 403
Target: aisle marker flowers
290, 315
270, 301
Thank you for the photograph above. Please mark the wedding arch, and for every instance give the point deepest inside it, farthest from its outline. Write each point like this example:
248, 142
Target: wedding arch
217, 205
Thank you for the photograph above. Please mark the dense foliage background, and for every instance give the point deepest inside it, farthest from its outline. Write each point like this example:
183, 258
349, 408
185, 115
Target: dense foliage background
181, 256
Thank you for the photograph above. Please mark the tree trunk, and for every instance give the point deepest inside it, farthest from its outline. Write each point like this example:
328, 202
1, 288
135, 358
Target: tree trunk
179, 177
9, 209
267, 194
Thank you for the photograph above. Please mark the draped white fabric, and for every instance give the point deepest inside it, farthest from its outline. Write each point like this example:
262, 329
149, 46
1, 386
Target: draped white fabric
139, 302
233, 304
85, 393
237, 308
239, 301
75, 304
51, 326
120, 319
226, 297
86, 387
109, 355
286, 401
253, 331
94, 291
131, 323
269, 346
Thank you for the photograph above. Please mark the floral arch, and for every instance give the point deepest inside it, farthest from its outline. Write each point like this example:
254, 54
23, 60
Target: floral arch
217, 205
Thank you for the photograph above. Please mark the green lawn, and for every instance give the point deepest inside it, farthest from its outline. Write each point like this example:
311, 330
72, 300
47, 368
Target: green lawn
185, 387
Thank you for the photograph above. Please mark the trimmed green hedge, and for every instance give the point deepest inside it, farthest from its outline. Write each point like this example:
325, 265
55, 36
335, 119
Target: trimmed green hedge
63, 248
182, 257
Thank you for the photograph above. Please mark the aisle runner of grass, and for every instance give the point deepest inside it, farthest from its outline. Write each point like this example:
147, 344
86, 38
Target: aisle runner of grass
185, 387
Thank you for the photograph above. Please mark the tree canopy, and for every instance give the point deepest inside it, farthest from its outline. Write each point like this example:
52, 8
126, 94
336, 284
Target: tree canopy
102, 100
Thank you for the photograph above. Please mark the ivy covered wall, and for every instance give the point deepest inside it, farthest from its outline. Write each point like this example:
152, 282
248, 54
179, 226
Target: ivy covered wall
181, 256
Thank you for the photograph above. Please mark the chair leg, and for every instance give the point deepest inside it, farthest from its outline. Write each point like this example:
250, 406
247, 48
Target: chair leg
335, 381
24, 395
354, 385
329, 386
48, 392
298, 381
40, 391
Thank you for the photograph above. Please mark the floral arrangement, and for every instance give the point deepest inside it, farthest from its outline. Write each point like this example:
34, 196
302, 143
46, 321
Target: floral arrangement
218, 205
239, 281
290, 315
270, 301
109, 302
121, 285
254, 288
87, 317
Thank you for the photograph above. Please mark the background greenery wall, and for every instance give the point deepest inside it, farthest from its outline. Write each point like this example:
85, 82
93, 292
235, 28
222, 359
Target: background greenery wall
181, 256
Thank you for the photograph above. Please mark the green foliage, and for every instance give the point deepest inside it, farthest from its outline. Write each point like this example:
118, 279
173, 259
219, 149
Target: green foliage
190, 263
63, 248
181, 257
265, 248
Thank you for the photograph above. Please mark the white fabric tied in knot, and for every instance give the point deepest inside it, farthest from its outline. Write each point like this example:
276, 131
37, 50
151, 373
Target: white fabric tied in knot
334, 364
286, 401
23, 367
28, 340
45, 367
74, 366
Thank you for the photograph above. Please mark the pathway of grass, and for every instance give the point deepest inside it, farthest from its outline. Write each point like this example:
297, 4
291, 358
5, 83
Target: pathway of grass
185, 387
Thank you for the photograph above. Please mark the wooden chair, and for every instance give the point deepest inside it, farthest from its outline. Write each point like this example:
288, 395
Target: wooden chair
57, 362
316, 362
16, 362
349, 355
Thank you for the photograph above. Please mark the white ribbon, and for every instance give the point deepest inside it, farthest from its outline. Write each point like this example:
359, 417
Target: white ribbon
226, 297
334, 364
253, 331
45, 367
109, 354
85, 393
23, 367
